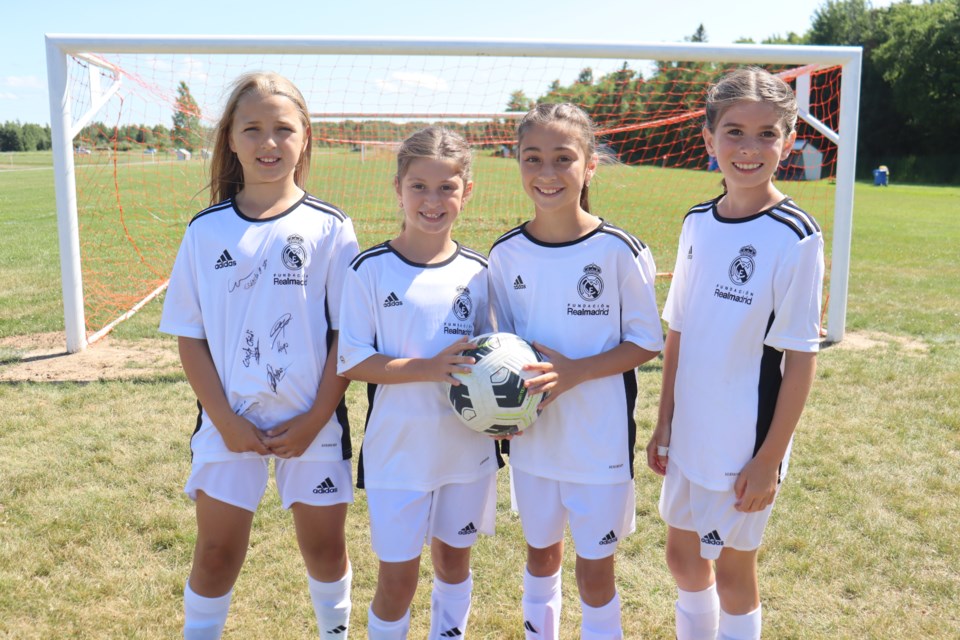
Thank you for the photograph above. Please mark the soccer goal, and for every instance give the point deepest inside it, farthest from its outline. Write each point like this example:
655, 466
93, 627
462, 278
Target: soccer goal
131, 118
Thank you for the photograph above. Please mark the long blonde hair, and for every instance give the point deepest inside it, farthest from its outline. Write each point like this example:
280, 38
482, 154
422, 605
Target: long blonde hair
574, 118
226, 173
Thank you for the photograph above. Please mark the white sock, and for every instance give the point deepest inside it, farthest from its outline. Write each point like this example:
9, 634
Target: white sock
745, 627
698, 614
449, 608
331, 604
602, 623
541, 606
378, 629
204, 618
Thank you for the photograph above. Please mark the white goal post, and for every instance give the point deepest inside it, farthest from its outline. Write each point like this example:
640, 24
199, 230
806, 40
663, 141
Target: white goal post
65, 125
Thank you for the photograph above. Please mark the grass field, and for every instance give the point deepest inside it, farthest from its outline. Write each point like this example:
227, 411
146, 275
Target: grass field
96, 536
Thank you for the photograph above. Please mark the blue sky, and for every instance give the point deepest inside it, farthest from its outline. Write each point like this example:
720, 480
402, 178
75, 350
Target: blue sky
23, 93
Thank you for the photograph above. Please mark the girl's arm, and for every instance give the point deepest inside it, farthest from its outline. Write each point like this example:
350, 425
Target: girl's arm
291, 438
756, 485
238, 433
383, 369
560, 373
660, 439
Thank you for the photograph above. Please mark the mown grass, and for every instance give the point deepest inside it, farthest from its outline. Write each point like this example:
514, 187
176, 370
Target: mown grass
96, 537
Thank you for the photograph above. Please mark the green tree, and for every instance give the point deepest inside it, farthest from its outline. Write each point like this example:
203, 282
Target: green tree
10, 137
920, 61
519, 101
187, 130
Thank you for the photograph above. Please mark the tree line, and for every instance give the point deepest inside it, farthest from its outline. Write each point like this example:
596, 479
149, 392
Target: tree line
910, 88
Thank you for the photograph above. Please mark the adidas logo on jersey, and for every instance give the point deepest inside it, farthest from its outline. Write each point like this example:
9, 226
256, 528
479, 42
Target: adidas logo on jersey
225, 260
392, 301
337, 630
610, 538
690, 253
325, 487
452, 633
712, 538
518, 283
467, 530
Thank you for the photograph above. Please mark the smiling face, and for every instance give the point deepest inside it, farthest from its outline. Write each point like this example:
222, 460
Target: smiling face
432, 192
749, 143
268, 136
554, 168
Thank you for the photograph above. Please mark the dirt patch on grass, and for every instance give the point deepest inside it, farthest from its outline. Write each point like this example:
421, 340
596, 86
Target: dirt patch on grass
44, 358
860, 340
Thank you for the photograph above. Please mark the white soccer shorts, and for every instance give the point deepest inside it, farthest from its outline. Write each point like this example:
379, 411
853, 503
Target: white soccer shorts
402, 521
242, 482
600, 515
711, 514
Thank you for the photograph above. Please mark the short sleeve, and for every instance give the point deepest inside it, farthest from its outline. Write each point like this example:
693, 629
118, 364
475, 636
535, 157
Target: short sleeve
674, 307
357, 321
345, 249
798, 291
638, 302
182, 314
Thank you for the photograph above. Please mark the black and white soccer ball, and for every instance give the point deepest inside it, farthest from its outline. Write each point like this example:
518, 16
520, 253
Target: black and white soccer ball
491, 398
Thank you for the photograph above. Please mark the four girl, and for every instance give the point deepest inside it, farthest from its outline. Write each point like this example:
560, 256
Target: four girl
267, 275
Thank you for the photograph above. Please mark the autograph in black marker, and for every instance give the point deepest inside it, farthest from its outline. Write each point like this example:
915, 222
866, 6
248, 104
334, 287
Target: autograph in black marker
248, 280
278, 333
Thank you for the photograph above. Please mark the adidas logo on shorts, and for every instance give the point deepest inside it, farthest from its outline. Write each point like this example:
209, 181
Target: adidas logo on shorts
610, 538
326, 486
712, 538
225, 260
392, 301
467, 530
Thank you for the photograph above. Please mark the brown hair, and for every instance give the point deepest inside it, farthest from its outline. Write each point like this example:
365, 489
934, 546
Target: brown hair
435, 143
226, 173
572, 117
752, 84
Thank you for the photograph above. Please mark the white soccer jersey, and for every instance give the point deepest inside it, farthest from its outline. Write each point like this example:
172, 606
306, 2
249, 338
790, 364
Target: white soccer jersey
264, 295
743, 290
580, 298
413, 439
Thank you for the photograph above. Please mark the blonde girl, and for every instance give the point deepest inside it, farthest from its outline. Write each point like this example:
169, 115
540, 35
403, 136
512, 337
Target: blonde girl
254, 299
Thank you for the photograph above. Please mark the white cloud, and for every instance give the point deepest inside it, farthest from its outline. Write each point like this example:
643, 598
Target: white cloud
8, 96
24, 82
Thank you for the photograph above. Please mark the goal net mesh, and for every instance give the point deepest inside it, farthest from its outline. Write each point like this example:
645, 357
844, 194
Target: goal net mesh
142, 160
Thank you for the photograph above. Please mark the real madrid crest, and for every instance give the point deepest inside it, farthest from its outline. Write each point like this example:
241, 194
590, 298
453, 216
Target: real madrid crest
591, 284
741, 269
462, 304
294, 256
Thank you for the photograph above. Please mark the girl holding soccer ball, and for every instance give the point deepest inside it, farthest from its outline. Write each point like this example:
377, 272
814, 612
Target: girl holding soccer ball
252, 285
582, 291
408, 306
743, 314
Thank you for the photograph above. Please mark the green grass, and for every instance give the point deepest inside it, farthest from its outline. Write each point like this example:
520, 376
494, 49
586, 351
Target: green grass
96, 537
